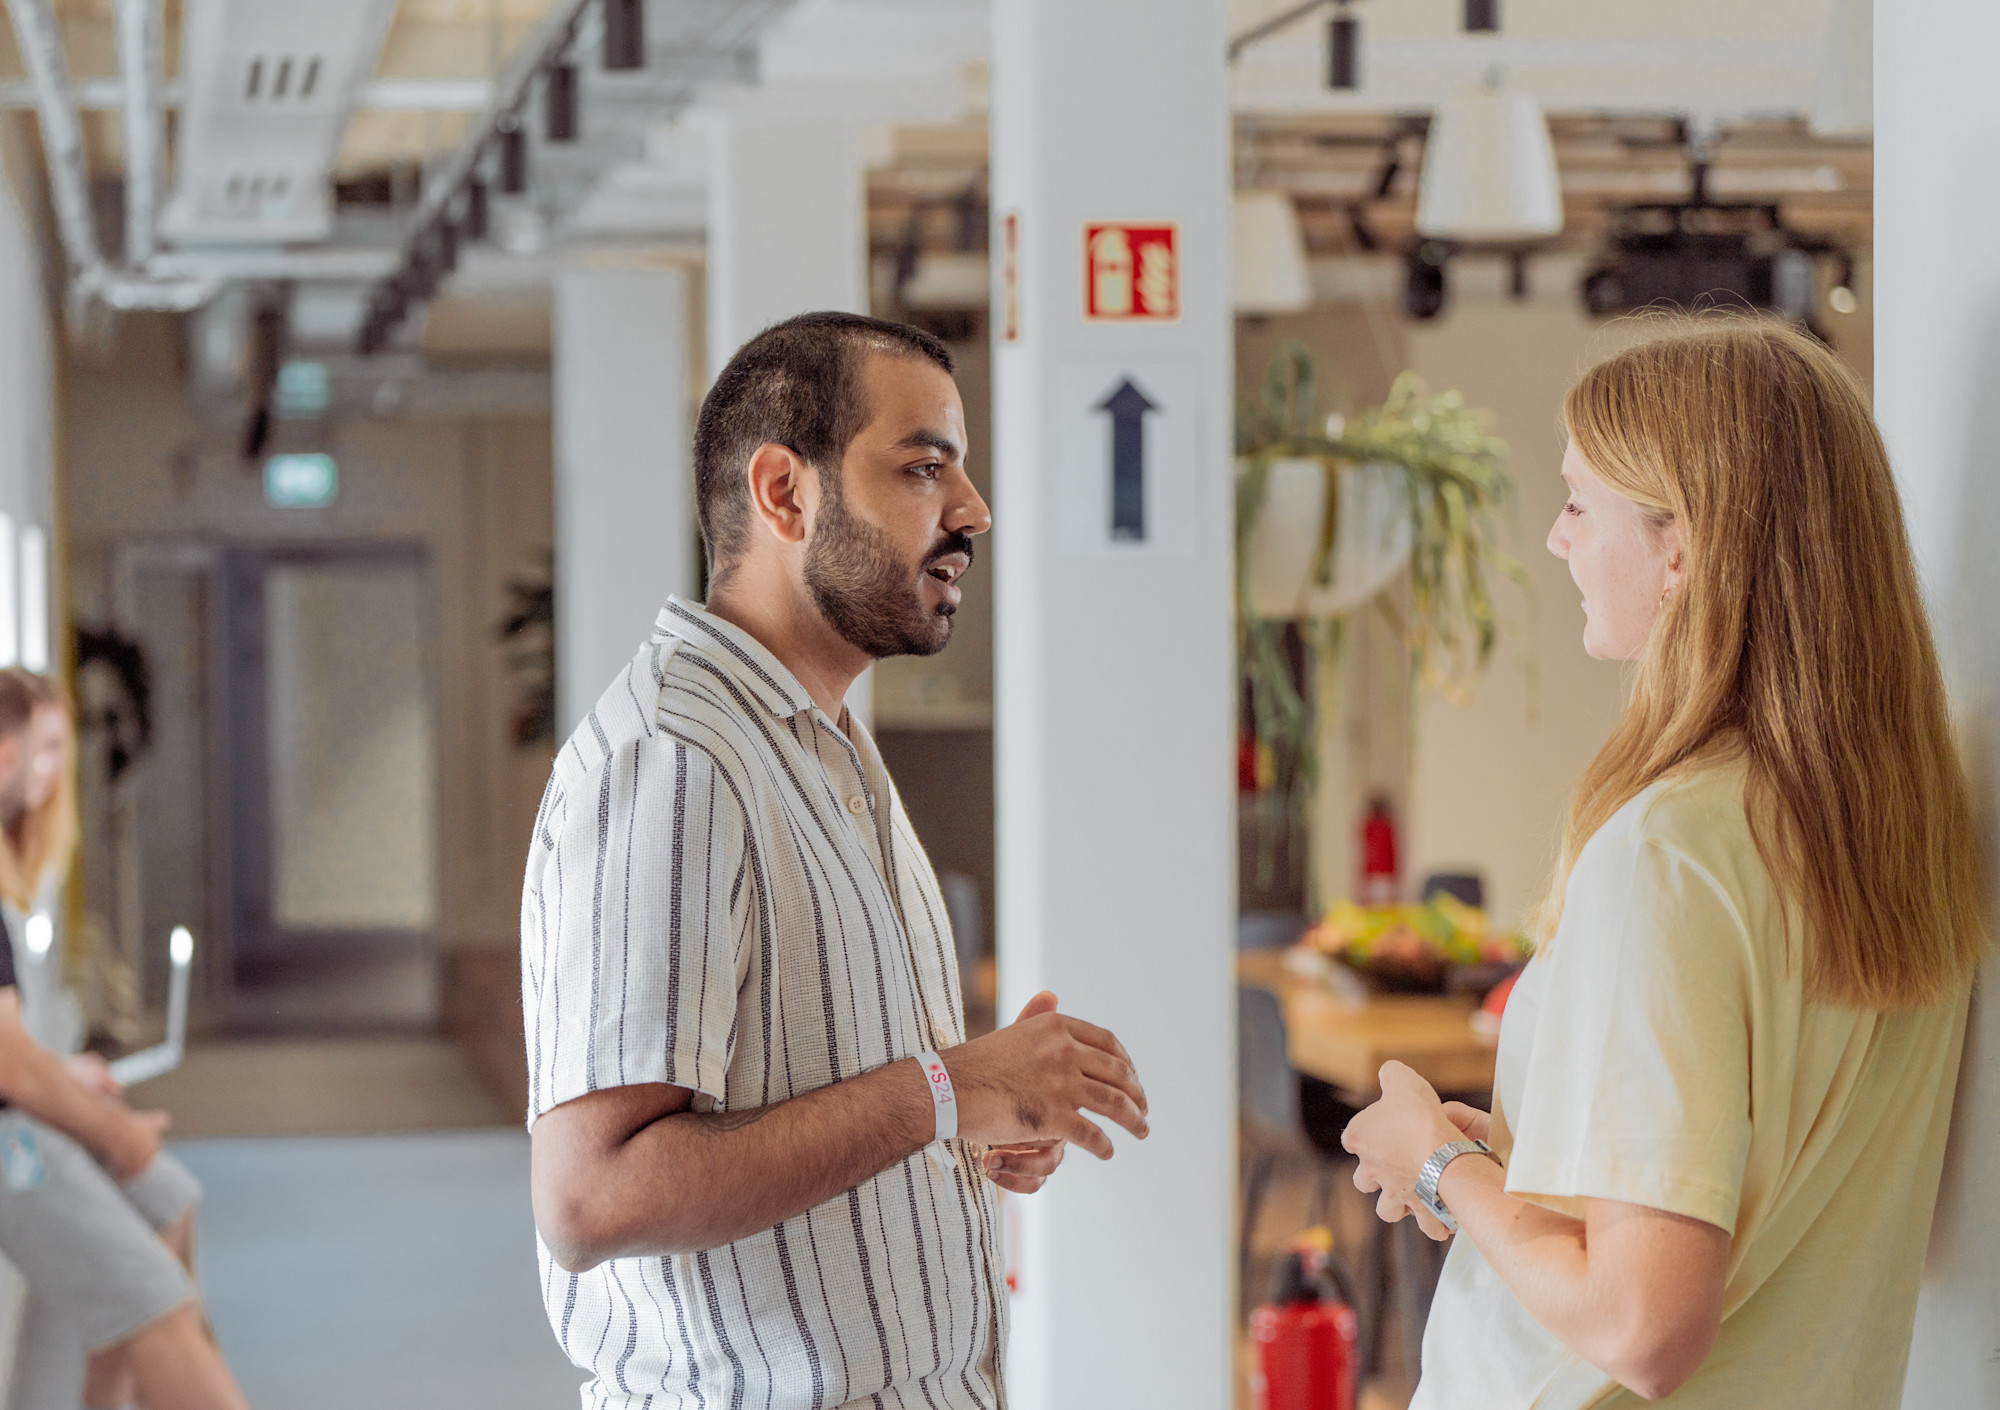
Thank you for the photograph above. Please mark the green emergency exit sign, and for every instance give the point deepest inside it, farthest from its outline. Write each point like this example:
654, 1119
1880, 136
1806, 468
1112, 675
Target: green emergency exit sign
301, 481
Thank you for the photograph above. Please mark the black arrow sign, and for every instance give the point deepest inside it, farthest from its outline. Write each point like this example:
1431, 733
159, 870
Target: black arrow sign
1128, 407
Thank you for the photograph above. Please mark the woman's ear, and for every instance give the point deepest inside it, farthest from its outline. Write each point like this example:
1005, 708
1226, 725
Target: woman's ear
775, 475
1675, 544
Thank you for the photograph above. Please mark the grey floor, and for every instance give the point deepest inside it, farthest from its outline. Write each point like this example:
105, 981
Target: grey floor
388, 1271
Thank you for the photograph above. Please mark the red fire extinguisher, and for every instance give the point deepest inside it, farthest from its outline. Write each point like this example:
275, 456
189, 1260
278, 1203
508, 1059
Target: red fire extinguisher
1378, 854
1305, 1343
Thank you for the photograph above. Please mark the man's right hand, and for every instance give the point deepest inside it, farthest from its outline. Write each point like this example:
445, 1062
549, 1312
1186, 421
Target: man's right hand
1034, 1079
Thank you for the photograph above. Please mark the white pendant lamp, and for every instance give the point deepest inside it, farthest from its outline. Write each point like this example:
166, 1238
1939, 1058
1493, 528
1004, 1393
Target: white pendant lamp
1268, 254
1489, 169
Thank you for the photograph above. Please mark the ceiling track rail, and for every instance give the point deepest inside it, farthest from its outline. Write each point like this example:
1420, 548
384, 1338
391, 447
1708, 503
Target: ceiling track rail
445, 180
549, 39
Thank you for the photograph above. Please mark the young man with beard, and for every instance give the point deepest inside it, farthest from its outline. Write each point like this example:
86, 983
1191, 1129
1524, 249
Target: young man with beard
745, 1036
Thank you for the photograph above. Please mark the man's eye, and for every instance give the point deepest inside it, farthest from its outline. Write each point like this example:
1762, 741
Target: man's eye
929, 469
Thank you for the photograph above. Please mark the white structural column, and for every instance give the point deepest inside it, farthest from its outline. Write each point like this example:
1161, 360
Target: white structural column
625, 522
787, 234
1937, 360
787, 223
1112, 495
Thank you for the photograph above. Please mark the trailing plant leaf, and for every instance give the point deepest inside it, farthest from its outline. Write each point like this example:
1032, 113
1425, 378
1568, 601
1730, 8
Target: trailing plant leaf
1456, 474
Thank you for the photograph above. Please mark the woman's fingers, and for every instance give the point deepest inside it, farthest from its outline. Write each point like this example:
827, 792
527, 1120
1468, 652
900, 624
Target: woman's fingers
1428, 1222
1469, 1119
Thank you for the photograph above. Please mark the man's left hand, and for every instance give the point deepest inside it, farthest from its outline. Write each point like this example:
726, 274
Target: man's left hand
1392, 1139
1023, 1169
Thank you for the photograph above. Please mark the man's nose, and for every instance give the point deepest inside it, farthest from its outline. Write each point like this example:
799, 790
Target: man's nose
969, 515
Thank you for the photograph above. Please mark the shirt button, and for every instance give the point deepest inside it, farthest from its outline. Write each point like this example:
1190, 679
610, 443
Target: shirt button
857, 805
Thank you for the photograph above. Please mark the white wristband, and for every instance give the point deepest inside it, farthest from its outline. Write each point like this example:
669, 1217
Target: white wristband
945, 1106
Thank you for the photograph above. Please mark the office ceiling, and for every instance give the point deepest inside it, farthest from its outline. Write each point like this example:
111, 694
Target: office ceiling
1626, 85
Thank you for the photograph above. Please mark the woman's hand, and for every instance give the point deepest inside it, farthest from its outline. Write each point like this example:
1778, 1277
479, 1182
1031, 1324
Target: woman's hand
1392, 1139
1476, 1124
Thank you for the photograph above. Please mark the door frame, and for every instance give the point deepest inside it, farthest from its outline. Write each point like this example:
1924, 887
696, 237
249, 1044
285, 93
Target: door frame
256, 942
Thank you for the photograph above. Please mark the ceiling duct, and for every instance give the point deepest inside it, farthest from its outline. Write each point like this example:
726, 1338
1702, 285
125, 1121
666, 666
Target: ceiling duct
269, 86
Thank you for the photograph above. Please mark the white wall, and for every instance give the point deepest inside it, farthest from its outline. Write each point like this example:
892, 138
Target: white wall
25, 380
1489, 778
1937, 360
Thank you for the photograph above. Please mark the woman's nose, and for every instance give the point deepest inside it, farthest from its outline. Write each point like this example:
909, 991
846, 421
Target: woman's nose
1558, 543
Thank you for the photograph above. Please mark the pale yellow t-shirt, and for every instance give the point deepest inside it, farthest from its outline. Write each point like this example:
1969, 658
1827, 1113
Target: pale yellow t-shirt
1662, 1052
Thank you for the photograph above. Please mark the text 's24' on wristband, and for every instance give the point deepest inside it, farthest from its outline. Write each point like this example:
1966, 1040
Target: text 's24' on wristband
946, 1106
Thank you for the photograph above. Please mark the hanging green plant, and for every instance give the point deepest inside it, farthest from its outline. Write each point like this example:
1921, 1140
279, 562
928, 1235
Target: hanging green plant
1433, 482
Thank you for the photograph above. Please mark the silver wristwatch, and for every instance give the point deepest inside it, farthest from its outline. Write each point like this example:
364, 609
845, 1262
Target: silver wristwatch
1433, 1171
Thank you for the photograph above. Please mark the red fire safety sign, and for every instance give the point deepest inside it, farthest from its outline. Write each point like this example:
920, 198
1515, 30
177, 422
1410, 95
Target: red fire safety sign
1131, 271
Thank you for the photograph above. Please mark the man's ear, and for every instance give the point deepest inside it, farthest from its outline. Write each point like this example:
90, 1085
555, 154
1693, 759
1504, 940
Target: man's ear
776, 478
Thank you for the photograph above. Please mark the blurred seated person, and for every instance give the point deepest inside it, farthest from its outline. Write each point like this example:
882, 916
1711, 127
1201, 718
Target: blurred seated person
84, 1185
36, 844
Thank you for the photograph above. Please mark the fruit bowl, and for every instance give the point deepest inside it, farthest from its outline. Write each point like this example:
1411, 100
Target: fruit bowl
1442, 945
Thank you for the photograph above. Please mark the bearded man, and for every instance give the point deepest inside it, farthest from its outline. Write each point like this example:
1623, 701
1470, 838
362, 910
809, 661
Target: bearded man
764, 1153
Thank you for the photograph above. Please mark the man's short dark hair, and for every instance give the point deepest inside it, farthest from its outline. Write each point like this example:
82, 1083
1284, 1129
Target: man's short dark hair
796, 384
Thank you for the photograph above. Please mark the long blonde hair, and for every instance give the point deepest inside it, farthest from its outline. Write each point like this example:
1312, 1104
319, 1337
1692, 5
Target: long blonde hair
40, 842
1798, 640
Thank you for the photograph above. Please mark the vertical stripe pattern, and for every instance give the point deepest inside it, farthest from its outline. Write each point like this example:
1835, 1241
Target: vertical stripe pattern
723, 893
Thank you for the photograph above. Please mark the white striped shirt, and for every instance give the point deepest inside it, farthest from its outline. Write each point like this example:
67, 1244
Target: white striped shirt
723, 893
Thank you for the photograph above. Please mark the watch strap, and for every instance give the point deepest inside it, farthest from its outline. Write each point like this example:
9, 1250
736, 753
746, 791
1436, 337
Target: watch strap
1433, 1171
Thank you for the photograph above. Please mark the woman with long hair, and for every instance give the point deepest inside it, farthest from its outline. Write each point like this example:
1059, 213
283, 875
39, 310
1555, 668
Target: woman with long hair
1724, 1081
38, 831
36, 845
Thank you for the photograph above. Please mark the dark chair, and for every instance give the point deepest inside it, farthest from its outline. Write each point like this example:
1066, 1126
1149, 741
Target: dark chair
1466, 886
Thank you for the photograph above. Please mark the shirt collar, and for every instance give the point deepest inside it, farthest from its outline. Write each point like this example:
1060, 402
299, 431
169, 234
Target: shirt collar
737, 652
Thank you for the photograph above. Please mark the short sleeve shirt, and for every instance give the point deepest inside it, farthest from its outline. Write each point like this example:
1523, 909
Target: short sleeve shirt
724, 893
1662, 1052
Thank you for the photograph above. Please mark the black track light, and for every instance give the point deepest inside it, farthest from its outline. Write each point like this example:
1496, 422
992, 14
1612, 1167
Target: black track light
1482, 16
1424, 283
1343, 52
444, 247
478, 211
513, 139
559, 112
624, 35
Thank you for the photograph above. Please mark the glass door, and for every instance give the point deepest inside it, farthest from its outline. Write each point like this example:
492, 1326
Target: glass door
333, 752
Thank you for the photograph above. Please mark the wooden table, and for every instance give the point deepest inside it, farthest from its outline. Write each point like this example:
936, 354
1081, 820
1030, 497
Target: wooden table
1345, 1043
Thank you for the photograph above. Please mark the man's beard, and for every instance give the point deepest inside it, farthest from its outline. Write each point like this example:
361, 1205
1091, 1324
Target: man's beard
868, 593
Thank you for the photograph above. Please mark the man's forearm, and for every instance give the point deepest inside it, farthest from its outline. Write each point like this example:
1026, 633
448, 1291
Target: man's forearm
690, 1181
34, 1080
